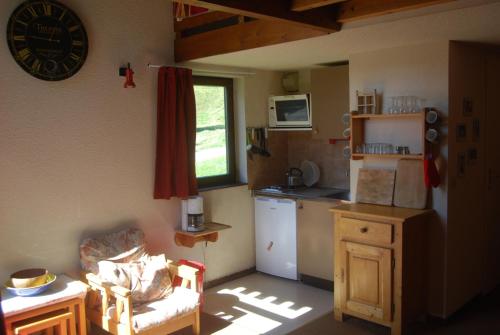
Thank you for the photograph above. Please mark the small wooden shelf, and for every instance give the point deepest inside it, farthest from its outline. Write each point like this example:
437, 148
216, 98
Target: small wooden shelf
361, 156
358, 125
210, 234
388, 116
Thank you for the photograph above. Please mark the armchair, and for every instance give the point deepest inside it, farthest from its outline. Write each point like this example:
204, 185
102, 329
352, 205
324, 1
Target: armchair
112, 308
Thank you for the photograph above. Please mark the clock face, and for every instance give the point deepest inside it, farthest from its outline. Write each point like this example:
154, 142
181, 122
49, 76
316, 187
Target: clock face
47, 39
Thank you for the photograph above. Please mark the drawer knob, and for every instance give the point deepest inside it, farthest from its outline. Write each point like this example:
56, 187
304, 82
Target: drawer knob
363, 230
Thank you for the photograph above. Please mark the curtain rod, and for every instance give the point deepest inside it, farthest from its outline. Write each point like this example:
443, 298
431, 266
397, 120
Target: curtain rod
200, 70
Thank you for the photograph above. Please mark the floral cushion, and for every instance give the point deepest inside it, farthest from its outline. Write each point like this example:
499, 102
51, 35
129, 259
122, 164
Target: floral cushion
122, 247
148, 279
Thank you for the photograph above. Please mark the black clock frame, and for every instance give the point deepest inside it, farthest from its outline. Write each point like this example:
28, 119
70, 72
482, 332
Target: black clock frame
47, 39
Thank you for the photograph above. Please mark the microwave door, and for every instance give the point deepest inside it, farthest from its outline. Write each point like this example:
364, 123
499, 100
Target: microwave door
292, 113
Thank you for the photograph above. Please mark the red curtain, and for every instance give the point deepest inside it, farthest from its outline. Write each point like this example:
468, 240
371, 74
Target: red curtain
176, 135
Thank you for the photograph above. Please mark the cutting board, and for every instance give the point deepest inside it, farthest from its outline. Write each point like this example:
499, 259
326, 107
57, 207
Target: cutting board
375, 186
410, 191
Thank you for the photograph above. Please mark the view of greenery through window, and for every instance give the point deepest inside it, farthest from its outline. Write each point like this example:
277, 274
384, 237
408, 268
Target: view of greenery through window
211, 148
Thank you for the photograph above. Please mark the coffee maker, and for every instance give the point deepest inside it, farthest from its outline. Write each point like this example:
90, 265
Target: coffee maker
192, 214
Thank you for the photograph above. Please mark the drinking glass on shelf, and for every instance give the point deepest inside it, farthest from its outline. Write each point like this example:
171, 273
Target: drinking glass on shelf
387, 149
404, 105
399, 104
392, 107
368, 149
420, 104
412, 104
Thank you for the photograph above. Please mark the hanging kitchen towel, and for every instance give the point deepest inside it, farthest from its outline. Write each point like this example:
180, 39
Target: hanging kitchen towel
431, 173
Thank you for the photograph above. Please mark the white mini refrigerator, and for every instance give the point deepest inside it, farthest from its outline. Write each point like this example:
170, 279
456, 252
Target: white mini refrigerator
276, 236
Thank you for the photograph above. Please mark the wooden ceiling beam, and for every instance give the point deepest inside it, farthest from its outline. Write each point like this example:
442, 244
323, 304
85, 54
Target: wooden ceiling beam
274, 10
302, 5
353, 10
249, 35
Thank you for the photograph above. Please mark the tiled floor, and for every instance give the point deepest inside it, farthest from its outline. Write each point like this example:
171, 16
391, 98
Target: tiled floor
263, 304
247, 306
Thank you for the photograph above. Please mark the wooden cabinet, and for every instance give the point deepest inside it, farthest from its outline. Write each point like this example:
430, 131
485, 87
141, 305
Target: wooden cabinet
473, 172
329, 101
379, 266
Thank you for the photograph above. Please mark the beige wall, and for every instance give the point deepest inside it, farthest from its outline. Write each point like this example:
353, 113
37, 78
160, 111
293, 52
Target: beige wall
235, 249
258, 88
420, 70
78, 155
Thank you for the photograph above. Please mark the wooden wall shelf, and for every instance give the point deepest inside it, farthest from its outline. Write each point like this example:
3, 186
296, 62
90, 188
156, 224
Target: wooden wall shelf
388, 116
396, 156
210, 234
358, 134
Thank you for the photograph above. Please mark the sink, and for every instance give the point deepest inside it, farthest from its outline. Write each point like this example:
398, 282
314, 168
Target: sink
308, 192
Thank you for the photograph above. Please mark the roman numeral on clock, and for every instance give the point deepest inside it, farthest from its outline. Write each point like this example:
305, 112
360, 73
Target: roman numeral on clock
35, 67
32, 11
24, 53
47, 9
62, 15
74, 57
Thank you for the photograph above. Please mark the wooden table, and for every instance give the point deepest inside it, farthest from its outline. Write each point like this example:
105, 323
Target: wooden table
63, 301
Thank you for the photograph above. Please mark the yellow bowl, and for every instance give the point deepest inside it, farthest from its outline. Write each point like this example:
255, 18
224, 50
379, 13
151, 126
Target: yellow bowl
29, 278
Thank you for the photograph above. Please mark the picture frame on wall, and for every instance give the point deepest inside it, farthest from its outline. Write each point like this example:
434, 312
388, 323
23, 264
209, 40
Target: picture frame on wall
476, 129
472, 156
467, 107
461, 132
461, 159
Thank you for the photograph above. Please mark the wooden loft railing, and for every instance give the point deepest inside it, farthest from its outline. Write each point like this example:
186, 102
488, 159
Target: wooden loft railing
216, 33
233, 25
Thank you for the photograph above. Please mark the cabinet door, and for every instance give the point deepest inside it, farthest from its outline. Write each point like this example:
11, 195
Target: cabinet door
329, 101
492, 124
314, 239
366, 276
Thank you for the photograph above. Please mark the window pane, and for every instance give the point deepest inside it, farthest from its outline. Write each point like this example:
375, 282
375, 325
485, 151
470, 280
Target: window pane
211, 138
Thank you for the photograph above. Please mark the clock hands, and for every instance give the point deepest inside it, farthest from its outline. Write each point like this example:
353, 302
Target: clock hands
44, 39
52, 34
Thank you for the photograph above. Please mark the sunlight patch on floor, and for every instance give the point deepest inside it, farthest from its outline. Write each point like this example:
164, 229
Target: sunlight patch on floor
257, 323
264, 304
284, 309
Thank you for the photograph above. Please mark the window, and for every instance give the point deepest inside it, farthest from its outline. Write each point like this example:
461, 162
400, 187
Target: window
215, 162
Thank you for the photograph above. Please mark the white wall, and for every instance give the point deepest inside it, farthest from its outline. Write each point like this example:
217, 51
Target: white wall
77, 156
420, 70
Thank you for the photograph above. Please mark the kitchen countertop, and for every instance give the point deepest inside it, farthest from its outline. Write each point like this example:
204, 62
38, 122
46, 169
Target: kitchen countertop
309, 193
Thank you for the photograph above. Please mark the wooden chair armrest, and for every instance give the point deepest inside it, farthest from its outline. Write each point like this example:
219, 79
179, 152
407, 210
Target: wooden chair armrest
115, 290
183, 271
186, 272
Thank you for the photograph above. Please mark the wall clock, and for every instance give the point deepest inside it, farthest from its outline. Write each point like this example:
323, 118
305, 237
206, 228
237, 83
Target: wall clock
47, 39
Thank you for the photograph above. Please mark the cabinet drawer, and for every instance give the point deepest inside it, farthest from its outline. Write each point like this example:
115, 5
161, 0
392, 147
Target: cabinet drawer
363, 230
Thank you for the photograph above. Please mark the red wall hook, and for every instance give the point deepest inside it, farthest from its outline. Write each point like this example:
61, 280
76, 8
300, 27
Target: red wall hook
129, 76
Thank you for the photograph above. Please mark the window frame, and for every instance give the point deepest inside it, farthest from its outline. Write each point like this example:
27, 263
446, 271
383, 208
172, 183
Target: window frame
230, 177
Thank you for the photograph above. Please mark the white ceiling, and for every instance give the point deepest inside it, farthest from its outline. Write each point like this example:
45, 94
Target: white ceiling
465, 20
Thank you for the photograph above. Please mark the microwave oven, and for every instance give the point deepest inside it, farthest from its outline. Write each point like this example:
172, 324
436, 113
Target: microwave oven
290, 111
